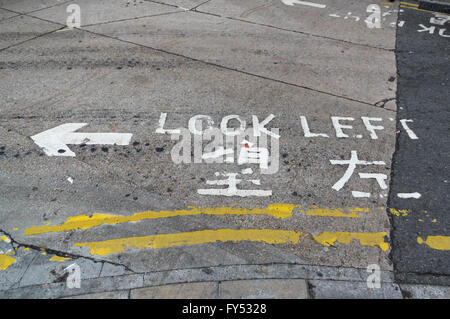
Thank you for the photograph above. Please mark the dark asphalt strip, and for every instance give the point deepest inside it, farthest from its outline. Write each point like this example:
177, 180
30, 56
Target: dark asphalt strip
422, 165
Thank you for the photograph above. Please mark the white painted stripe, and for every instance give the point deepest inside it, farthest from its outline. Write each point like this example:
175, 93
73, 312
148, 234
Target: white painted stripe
409, 195
305, 3
360, 194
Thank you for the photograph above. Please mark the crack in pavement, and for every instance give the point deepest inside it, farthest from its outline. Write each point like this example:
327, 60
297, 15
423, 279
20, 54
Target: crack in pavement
61, 254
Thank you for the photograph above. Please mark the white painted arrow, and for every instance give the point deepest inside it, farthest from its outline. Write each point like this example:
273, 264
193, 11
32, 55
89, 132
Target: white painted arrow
54, 141
306, 3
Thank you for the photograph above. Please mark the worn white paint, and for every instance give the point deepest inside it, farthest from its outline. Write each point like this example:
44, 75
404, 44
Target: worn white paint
305, 3
371, 128
441, 33
352, 162
357, 194
200, 117
259, 127
409, 195
232, 181
440, 19
162, 121
408, 130
425, 29
306, 129
224, 125
338, 126
54, 141
254, 155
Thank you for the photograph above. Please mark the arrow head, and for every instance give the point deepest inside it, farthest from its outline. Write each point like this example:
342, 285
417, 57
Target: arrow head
52, 141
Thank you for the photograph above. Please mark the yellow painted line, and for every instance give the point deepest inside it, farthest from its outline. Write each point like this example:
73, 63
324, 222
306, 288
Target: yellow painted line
85, 221
436, 242
277, 210
335, 212
60, 259
417, 9
387, 3
409, 4
6, 261
365, 239
399, 212
5, 239
269, 236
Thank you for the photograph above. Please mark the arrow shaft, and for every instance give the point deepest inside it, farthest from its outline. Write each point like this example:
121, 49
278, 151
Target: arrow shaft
96, 138
311, 4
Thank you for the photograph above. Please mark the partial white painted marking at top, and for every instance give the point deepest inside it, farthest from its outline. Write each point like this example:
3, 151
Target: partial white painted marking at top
305, 3
408, 130
409, 195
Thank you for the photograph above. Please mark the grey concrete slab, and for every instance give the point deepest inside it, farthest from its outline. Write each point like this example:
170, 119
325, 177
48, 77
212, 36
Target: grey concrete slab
22, 28
5, 14
356, 72
264, 289
79, 77
325, 289
268, 271
106, 11
113, 270
10, 277
186, 4
25, 6
341, 19
200, 290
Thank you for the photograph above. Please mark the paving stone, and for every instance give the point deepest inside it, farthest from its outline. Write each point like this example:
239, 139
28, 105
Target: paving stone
121, 294
264, 289
198, 290
113, 270
89, 286
327, 289
26, 6
22, 28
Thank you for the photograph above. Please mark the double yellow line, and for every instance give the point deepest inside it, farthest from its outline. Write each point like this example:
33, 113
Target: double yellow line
409, 5
270, 236
415, 6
